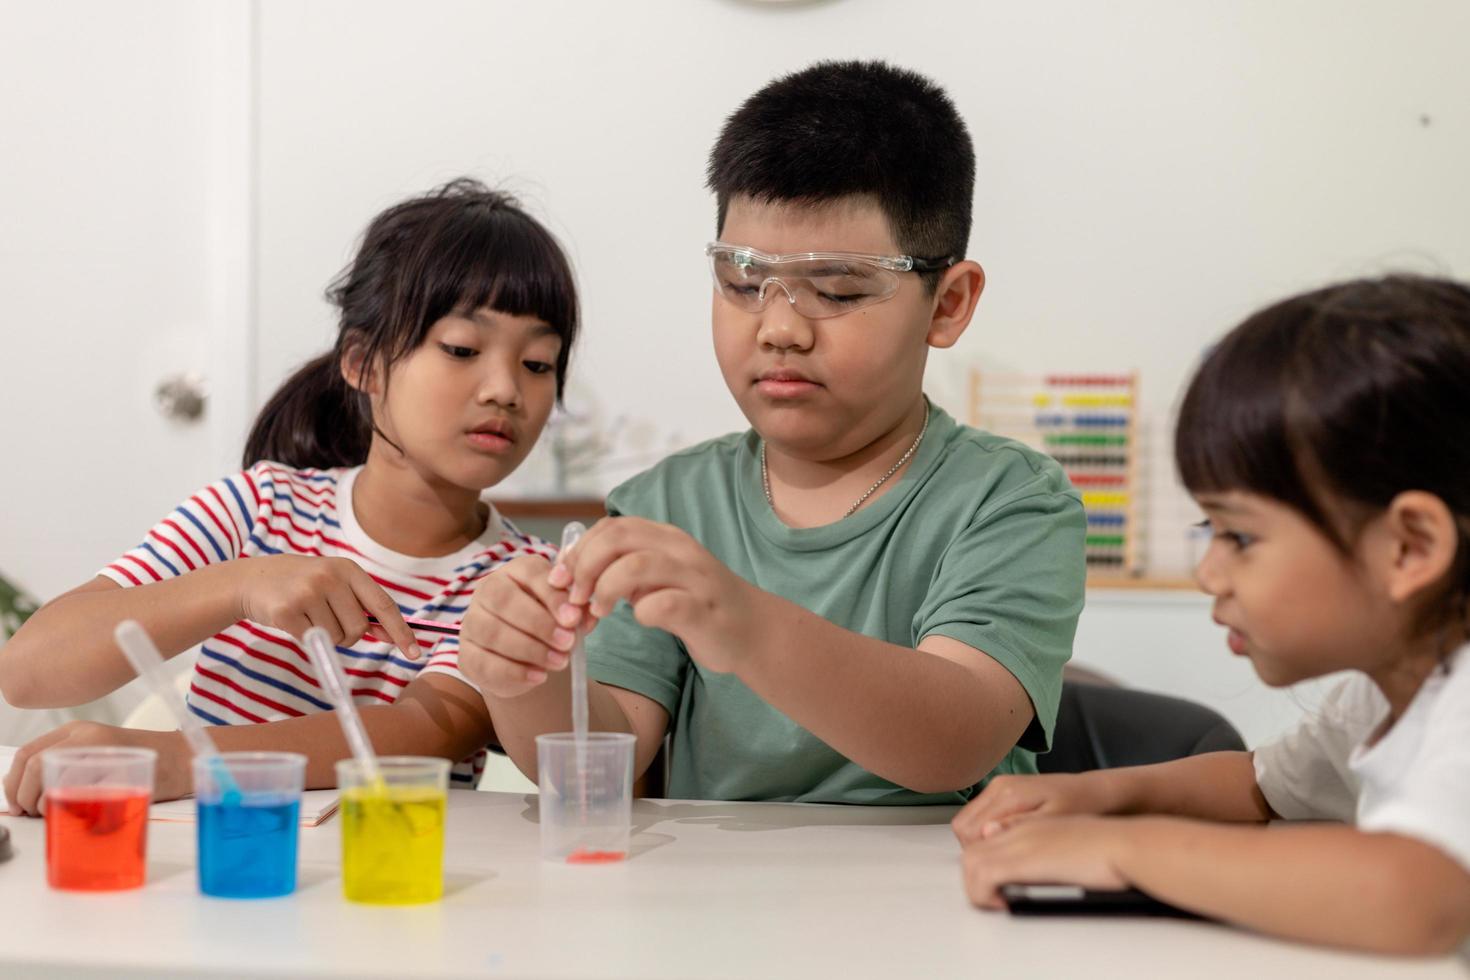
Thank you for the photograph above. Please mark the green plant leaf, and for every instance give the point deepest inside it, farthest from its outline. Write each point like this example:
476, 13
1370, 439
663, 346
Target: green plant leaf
15, 607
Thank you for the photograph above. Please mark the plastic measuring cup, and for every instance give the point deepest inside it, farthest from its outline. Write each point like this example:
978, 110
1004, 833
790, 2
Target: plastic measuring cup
96, 806
586, 796
248, 829
393, 829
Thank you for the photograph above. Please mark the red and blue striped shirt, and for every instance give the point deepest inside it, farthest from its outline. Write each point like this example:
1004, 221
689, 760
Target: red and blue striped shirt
249, 673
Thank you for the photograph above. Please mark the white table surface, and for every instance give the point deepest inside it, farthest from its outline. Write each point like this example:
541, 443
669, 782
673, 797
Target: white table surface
710, 890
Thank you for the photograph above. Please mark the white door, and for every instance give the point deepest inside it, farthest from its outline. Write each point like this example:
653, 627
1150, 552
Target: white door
124, 262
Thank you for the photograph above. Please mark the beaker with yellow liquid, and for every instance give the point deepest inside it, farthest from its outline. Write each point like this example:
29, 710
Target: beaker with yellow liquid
393, 830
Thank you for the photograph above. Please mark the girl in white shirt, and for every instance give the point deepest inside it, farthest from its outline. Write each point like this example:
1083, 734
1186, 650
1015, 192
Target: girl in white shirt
1327, 438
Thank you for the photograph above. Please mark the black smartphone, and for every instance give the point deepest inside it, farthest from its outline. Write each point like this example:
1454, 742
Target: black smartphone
1076, 900
5, 851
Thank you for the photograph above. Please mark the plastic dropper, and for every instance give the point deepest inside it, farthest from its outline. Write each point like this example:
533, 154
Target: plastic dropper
570, 535
138, 647
334, 684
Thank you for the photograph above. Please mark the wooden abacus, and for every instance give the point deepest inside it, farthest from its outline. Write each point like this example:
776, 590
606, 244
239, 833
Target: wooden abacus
1088, 423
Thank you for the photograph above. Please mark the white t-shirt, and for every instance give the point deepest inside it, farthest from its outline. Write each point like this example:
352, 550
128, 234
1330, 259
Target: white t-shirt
1414, 781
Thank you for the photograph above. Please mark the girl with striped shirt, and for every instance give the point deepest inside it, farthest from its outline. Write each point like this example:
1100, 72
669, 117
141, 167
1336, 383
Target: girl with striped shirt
360, 496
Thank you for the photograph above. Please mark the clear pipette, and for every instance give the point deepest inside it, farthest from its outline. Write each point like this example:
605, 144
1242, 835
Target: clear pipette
334, 685
138, 647
570, 535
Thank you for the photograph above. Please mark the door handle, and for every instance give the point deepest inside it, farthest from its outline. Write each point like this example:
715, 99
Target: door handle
181, 397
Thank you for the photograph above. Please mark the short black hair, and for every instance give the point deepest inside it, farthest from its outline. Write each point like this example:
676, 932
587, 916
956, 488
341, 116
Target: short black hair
1336, 401
855, 128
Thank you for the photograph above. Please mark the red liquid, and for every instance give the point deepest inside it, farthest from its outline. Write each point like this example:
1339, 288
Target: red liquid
595, 857
95, 837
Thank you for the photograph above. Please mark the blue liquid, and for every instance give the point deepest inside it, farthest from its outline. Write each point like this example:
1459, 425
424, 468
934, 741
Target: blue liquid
248, 849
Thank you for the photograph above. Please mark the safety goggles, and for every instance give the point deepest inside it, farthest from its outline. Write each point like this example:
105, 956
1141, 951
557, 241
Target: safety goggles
817, 284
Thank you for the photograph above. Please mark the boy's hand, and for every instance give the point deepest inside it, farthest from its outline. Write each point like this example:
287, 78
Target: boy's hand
1058, 850
511, 634
672, 582
296, 592
1007, 800
171, 775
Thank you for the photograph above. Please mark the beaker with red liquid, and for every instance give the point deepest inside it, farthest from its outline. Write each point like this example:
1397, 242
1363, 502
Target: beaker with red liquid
96, 809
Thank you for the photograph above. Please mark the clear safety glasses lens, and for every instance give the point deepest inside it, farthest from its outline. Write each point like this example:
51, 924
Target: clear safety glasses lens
817, 284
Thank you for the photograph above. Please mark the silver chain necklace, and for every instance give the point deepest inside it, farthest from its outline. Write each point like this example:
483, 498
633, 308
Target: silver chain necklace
766, 475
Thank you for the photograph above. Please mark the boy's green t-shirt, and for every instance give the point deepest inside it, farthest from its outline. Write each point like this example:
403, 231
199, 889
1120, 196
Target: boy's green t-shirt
980, 540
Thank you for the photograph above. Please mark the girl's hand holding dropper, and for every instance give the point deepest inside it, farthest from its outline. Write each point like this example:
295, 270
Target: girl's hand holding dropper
296, 592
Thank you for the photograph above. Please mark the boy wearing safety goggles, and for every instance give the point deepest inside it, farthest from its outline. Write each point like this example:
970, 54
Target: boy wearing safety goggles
859, 600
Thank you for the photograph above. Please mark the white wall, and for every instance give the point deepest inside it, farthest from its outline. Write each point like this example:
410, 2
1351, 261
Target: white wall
102, 274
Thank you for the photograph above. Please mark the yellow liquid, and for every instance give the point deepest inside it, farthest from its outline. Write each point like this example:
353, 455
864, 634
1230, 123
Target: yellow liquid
393, 845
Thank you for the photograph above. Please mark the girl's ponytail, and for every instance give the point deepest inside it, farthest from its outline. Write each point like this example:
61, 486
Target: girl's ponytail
313, 420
